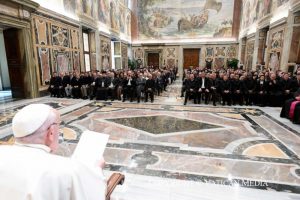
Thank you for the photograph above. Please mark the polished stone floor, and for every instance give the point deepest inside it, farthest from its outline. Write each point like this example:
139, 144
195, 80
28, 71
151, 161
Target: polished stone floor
171, 151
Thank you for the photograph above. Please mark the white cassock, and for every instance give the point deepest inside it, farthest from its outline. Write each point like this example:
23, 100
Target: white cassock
31, 173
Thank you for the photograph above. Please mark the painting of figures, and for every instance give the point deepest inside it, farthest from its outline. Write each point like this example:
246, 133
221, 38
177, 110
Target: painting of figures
70, 6
103, 11
250, 13
122, 18
114, 16
169, 19
281, 2
87, 7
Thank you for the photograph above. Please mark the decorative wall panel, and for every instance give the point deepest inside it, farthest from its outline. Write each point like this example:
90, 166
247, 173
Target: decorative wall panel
61, 61
124, 52
105, 53
57, 47
75, 39
60, 36
44, 63
41, 32
76, 60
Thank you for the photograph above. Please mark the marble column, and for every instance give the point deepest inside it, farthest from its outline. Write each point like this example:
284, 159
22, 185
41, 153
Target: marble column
98, 50
255, 50
242, 51
261, 46
31, 77
180, 61
287, 42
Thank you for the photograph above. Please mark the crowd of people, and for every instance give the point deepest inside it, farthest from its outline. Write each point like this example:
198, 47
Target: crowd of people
231, 87
113, 84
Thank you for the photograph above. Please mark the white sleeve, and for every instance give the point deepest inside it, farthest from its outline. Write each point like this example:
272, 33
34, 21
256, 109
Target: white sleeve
88, 183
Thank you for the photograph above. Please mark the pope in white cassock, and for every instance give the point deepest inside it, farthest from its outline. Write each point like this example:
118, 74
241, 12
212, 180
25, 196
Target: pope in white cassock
28, 170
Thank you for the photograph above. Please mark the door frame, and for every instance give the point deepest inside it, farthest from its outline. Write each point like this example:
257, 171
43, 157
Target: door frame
159, 51
186, 48
23, 23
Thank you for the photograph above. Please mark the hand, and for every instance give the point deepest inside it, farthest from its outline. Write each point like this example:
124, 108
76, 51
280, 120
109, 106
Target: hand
298, 98
287, 91
101, 163
206, 90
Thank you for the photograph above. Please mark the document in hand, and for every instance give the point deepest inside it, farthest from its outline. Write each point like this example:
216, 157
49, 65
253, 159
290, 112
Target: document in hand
90, 147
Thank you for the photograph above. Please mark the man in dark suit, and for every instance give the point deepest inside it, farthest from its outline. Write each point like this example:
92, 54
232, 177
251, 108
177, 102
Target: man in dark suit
101, 85
213, 87
128, 87
149, 88
274, 91
190, 89
261, 91
225, 88
203, 85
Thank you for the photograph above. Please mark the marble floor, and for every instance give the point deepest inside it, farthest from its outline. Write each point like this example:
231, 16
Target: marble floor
171, 151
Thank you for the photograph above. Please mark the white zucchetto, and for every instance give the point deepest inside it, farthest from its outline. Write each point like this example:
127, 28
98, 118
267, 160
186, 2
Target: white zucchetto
29, 119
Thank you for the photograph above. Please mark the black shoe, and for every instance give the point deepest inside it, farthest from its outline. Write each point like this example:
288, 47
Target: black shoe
123, 100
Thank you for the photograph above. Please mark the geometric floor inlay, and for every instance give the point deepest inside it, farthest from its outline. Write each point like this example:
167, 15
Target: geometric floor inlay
162, 124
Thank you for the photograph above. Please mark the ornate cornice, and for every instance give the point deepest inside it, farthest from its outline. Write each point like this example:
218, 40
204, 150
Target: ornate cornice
28, 4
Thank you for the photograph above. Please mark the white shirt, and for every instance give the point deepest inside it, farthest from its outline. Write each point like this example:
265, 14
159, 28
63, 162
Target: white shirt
203, 82
129, 82
31, 173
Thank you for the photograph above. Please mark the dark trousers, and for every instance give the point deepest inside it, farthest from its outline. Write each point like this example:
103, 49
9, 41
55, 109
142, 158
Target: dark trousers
76, 92
189, 94
201, 94
249, 98
226, 98
147, 92
128, 93
112, 92
214, 96
101, 94
237, 98
261, 99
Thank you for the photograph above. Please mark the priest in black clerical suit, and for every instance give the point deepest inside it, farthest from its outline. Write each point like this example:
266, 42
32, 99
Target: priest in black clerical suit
129, 85
213, 87
190, 89
225, 88
261, 90
101, 85
149, 88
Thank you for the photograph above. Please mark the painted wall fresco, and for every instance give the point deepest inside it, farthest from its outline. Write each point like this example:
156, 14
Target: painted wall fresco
112, 14
103, 11
169, 19
105, 50
254, 10
57, 47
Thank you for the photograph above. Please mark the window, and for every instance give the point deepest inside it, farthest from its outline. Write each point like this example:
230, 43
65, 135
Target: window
86, 51
116, 54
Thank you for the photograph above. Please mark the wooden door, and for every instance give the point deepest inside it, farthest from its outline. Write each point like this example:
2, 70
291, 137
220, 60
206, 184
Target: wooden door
14, 62
191, 58
153, 59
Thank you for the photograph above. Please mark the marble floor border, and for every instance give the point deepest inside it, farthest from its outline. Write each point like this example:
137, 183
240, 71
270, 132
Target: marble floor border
282, 146
177, 150
262, 185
